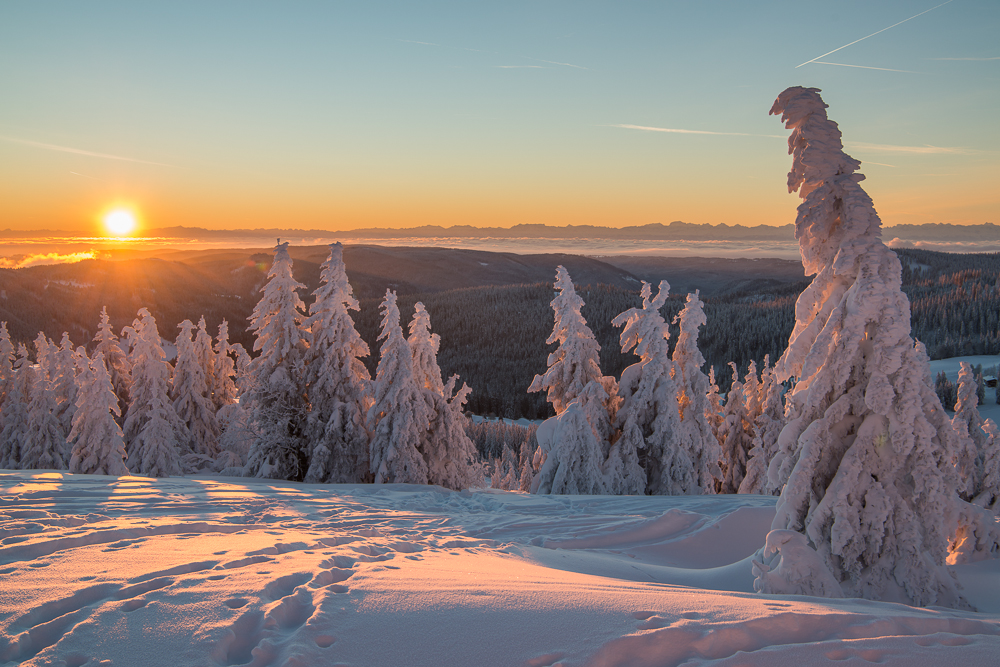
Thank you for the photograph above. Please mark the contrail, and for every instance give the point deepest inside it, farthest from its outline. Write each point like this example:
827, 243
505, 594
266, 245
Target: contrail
881, 69
76, 151
676, 131
873, 34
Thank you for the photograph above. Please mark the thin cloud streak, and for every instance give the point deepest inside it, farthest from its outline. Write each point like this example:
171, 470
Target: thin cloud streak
921, 150
873, 34
969, 59
881, 69
678, 131
553, 62
76, 151
519, 67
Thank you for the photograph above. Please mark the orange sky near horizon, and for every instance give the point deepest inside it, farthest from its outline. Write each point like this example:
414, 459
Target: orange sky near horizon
336, 117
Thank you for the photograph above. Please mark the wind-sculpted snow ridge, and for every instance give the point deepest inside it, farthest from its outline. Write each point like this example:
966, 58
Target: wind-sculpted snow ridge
234, 571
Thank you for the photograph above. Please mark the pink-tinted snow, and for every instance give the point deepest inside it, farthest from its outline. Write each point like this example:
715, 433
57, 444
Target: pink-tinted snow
222, 571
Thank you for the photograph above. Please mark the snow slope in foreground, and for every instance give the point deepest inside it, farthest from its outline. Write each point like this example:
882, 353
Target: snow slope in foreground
223, 571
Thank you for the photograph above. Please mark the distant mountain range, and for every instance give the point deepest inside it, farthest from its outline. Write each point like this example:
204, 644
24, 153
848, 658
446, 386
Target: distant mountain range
675, 231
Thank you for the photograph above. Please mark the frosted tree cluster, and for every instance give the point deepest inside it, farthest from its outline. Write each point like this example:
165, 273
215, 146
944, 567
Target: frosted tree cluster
652, 432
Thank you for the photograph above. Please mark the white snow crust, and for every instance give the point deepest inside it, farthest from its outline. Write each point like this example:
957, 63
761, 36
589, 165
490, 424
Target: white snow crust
234, 571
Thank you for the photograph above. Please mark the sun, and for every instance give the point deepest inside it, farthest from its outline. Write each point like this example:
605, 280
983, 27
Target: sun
120, 222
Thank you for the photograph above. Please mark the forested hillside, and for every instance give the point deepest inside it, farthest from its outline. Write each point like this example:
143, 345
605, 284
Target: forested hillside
492, 309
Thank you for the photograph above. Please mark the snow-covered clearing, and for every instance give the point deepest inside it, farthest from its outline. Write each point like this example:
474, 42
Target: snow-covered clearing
227, 571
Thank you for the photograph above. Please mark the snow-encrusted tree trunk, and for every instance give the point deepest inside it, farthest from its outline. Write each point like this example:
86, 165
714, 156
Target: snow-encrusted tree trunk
152, 448
97, 444
115, 360
44, 444
695, 432
452, 460
14, 415
576, 361
649, 418
337, 382
275, 393
866, 455
190, 397
399, 416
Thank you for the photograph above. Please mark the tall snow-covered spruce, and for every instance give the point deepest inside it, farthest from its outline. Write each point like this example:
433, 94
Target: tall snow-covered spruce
154, 434
275, 395
577, 359
337, 383
450, 455
576, 442
865, 458
399, 416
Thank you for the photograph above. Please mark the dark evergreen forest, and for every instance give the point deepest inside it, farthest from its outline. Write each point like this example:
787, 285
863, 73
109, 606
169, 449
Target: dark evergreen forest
493, 326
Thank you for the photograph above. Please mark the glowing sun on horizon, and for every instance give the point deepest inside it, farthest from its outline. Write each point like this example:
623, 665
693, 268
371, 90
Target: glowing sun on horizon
120, 222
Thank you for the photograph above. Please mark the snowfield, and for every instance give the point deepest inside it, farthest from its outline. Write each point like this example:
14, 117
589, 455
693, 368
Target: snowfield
231, 571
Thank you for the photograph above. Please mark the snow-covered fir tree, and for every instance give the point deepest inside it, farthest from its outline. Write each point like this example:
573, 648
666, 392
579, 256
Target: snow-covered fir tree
648, 418
576, 361
155, 452
769, 422
968, 423
146, 438
115, 359
6, 360
988, 493
44, 352
224, 391
695, 433
14, 414
450, 455
526, 475
275, 392
867, 449
337, 383
190, 396
44, 444
63, 380
96, 438
738, 442
203, 348
399, 415
755, 479
574, 444
713, 409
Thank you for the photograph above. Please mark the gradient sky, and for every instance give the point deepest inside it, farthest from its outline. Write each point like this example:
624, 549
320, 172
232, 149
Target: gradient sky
335, 115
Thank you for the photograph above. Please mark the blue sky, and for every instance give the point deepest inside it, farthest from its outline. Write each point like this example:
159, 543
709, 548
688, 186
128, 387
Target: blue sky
343, 115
